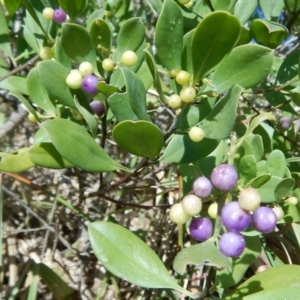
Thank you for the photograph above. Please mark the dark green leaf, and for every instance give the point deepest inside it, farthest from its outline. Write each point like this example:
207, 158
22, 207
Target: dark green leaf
141, 138
284, 188
205, 253
128, 257
169, 35
74, 144
213, 39
259, 181
73, 8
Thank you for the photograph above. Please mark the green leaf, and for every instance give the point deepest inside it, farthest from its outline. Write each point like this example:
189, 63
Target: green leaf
241, 264
291, 214
73, 8
267, 33
186, 59
266, 191
60, 54
101, 35
169, 35
15, 162
46, 155
260, 180
277, 283
78, 44
245, 37
271, 8
53, 76
205, 253
106, 89
136, 94
182, 149
247, 168
140, 138
244, 9
220, 121
284, 188
276, 163
74, 144
256, 143
246, 65
217, 34
128, 257
14, 83
38, 93
12, 6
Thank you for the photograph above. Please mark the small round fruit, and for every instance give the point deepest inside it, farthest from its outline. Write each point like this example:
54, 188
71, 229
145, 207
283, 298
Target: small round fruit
98, 107
129, 58
74, 80
234, 218
173, 73
183, 77
196, 134
46, 53
59, 15
183, 2
190, 4
224, 177
32, 118
174, 101
178, 215
201, 229
278, 212
202, 187
249, 199
89, 84
48, 13
108, 64
286, 122
76, 115
85, 68
232, 244
187, 94
213, 210
264, 219
192, 205
292, 200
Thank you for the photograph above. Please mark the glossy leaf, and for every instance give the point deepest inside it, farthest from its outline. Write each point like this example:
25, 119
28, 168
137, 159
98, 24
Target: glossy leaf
247, 168
128, 257
15, 162
260, 180
107, 89
245, 37
246, 65
46, 155
266, 191
74, 144
53, 76
73, 8
140, 138
220, 121
277, 283
38, 93
271, 8
78, 44
284, 188
241, 264
276, 163
214, 38
182, 149
101, 36
169, 35
205, 253
244, 9
186, 57
136, 94
267, 33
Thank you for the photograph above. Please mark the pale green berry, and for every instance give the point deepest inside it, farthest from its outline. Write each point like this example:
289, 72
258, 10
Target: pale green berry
85, 68
196, 134
48, 13
174, 101
74, 80
129, 58
183, 77
108, 64
178, 215
213, 210
46, 53
278, 212
192, 205
292, 200
187, 94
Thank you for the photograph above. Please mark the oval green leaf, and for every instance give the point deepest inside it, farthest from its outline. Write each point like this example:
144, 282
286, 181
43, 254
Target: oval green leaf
260, 180
73, 8
247, 168
266, 190
244, 9
246, 65
74, 143
214, 38
284, 188
128, 257
276, 163
169, 35
141, 138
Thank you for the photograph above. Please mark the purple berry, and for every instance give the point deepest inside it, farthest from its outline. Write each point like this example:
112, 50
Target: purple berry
232, 244
201, 229
224, 177
234, 218
202, 187
264, 219
89, 84
286, 122
98, 107
59, 16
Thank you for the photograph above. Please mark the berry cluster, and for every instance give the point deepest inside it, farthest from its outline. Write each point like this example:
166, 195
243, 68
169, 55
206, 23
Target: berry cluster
235, 216
57, 15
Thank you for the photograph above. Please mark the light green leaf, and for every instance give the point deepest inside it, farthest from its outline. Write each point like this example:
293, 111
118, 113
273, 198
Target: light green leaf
244, 9
247, 65
284, 188
276, 163
73, 8
247, 168
266, 190
128, 257
74, 144
271, 8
